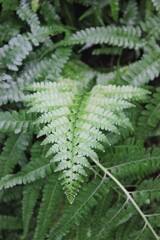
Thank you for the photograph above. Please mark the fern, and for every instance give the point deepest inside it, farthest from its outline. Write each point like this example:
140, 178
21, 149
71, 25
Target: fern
13, 152
48, 207
17, 122
115, 9
156, 3
30, 196
151, 114
71, 118
127, 37
9, 222
146, 69
15, 52
26, 14
75, 115
74, 213
130, 13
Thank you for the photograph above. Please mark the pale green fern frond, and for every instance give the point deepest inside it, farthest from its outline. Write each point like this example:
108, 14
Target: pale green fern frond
75, 121
130, 13
144, 70
26, 14
38, 168
13, 53
17, 122
156, 4
126, 37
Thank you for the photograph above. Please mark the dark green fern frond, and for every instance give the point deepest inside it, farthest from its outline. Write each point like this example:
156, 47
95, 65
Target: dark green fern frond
52, 195
13, 152
148, 191
151, 114
30, 196
38, 168
49, 13
74, 214
123, 163
114, 9
10, 222
75, 119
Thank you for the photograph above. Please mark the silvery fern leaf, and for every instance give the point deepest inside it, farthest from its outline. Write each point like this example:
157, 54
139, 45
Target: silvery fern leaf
76, 121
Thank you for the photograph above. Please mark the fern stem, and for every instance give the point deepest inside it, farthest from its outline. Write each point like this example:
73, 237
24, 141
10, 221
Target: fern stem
129, 197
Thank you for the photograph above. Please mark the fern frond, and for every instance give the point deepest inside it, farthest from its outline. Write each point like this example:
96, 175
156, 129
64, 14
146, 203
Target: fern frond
113, 77
40, 34
151, 114
117, 215
50, 201
10, 222
124, 164
114, 9
8, 30
11, 194
126, 37
13, 53
38, 168
151, 27
30, 196
11, 94
26, 14
156, 4
75, 121
13, 152
148, 191
130, 13
74, 214
19, 47
49, 13
5, 78
79, 71
49, 68
144, 70
17, 122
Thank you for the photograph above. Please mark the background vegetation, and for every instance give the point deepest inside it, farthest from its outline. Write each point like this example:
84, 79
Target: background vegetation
89, 43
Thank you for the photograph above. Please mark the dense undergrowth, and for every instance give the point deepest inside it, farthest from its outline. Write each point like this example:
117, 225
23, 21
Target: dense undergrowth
79, 120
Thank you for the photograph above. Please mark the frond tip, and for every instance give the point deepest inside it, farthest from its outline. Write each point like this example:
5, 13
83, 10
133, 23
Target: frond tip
75, 122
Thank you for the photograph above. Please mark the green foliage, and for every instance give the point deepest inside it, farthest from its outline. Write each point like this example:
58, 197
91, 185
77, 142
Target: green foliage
17, 122
76, 118
126, 37
156, 3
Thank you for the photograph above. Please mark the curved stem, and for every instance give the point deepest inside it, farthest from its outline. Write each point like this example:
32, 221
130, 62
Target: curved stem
129, 197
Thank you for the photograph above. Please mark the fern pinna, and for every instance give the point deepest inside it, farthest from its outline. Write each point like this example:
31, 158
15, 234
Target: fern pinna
74, 121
